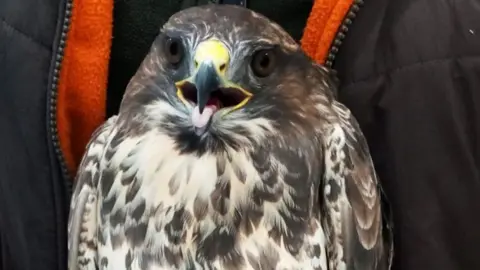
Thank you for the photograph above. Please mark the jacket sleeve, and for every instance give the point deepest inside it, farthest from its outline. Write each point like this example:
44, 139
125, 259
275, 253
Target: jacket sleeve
423, 127
412, 79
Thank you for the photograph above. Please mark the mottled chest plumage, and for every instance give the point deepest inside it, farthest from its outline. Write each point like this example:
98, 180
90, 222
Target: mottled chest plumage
164, 209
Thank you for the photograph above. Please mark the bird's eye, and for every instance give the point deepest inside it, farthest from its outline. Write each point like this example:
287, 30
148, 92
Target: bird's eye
263, 62
173, 50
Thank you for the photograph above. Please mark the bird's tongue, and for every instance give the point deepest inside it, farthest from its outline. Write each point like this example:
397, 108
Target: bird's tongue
200, 120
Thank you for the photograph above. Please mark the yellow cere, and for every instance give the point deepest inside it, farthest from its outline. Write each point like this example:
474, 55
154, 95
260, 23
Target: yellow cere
213, 50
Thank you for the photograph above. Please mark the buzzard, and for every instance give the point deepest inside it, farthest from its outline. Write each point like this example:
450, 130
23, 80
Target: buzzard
229, 152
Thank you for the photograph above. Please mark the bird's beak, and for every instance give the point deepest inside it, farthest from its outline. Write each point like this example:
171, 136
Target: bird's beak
206, 80
208, 85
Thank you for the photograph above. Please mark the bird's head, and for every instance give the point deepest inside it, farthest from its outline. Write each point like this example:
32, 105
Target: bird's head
223, 76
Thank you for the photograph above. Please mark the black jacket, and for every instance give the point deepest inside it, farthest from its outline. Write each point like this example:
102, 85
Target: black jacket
33, 192
410, 72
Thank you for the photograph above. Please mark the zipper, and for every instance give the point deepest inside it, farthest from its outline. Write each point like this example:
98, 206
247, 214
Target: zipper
342, 32
52, 108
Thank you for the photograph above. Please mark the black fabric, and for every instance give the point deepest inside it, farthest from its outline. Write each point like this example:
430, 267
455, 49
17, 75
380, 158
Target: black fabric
138, 22
410, 73
32, 195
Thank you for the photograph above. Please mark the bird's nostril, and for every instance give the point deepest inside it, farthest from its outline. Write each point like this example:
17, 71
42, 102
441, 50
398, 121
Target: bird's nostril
222, 67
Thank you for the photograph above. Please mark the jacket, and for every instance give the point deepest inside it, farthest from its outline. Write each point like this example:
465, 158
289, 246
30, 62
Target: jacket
409, 71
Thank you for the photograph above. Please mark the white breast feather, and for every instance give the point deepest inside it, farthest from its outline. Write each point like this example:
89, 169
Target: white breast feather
157, 162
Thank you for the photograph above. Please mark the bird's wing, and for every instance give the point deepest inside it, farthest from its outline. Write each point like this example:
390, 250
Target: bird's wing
82, 223
352, 197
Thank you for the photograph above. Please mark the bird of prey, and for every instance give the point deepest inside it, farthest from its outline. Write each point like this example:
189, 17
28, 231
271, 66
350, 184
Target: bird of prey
229, 151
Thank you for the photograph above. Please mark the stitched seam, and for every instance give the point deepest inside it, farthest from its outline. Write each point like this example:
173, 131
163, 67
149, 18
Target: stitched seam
406, 67
21, 33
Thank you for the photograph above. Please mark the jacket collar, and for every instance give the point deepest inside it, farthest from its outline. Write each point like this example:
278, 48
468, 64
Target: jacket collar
326, 28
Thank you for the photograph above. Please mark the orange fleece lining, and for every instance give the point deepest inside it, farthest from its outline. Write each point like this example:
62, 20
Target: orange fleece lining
322, 26
83, 78
84, 74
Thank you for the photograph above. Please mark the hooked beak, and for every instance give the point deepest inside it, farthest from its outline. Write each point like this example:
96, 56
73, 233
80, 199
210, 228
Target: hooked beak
206, 80
208, 86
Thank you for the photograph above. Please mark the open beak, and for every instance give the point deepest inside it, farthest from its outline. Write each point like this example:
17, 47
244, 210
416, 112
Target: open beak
206, 81
208, 88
